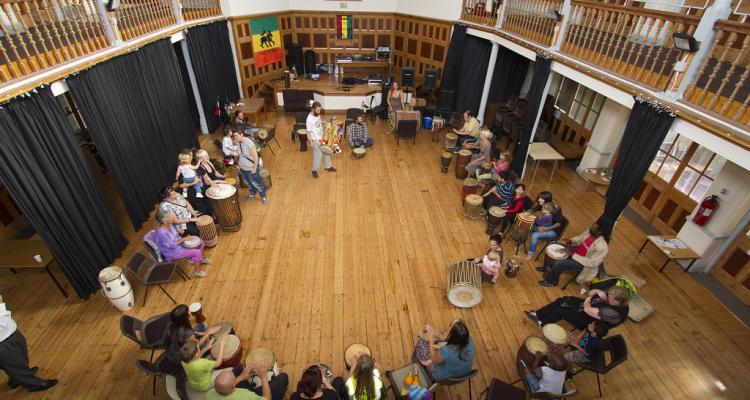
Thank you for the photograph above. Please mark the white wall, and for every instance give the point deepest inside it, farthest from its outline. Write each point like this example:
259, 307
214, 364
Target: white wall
438, 9
249, 7
606, 135
324, 5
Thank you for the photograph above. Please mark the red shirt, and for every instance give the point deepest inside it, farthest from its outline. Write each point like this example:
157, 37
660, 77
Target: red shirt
583, 248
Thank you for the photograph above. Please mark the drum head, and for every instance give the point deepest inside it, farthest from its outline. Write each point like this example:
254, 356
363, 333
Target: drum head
109, 273
224, 328
326, 150
220, 191
470, 182
451, 136
515, 260
474, 199
464, 152
264, 173
497, 212
204, 220
193, 307
556, 251
464, 295
555, 334
263, 134
259, 354
232, 344
534, 344
192, 242
360, 150
527, 217
447, 154
302, 132
356, 350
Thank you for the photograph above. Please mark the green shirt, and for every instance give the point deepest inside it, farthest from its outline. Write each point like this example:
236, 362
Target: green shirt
238, 394
472, 127
199, 373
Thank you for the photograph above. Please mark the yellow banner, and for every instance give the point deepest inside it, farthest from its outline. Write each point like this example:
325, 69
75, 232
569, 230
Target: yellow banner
268, 41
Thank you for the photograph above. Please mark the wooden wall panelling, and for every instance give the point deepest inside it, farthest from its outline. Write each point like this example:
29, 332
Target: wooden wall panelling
420, 43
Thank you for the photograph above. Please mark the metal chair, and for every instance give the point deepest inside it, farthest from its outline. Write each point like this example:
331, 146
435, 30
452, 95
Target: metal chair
397, 377
499, 390
152, 369
148, 334
154, 252
149, 272
563, 227
300, 122
406, 128
618, 349
456, 381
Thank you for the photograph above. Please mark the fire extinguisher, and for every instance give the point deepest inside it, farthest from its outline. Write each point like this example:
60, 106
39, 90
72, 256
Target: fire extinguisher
706, 210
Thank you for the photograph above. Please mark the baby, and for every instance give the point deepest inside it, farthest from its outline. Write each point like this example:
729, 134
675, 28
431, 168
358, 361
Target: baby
188, 173
490, 267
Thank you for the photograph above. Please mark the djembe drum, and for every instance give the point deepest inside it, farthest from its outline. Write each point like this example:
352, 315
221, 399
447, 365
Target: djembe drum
464, 284
512, 265
359, 152
231, 181
470, 186
265, 177
232, 351
494, 217
463, 158
269, 357
473, 206
196, 310
262, 135
207, 230
302, 136
555, 336
527, 351
450, 140
522, 227
225, 201
355, 350
554, 252
445, 161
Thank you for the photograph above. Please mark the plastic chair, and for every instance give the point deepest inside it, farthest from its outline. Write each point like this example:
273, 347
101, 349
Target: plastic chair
148, 334
563, 227
618, 349
456, 381
149, 272
406, 128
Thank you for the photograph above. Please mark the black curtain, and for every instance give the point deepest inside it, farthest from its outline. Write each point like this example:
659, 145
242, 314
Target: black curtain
44, 171
211, 57
453, 60
475, 58
136, 109
507, 79
647, 126
536, 93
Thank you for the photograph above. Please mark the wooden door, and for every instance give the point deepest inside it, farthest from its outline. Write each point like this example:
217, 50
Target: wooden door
733, 268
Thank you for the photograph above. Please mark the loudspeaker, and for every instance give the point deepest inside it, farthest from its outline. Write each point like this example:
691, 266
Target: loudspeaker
430, 78
445, 100
294, 58
384, 94
407, 77
310, 62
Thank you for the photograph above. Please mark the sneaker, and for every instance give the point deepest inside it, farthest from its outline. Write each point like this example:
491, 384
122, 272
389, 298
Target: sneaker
199, 195
315, 174
331, 169
265, 200
532, 316
200, 274
207, 261
546, 284
250, 197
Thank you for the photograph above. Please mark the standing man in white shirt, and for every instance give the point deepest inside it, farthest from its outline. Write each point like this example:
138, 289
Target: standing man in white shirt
314, 127
14, 356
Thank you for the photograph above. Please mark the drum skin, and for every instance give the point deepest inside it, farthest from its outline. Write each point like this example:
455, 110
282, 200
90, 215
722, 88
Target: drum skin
226, 205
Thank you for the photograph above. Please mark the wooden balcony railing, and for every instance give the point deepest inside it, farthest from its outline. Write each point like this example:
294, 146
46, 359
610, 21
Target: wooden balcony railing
135, 18
479, 12
723, 82
37, 34
197, 9
533, 19
632, 42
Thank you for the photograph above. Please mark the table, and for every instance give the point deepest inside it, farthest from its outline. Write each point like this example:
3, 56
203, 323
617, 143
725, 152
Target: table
543, 152
20, 254
379, 65
594, 180
252, 105
670, 252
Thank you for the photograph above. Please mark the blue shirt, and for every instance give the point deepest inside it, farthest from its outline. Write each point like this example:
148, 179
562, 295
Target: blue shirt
453, 366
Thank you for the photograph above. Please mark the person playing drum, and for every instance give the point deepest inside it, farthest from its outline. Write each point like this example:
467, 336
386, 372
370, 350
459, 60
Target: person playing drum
178, 332
587, 251
549, 378
357, 131
519, 203
314, 126
485, 147
454, 360
313, 386
198, 369
362, 381
501, 194
469, 133
225, 385
171, 245
588, 344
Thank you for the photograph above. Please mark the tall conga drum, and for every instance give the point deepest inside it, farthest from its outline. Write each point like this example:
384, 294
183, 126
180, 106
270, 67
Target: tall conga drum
494, 217
302, 136
522, 227
116, 288
473, 206
450, 140
226, 204
463, 158
445, 161
207, 230
470, 186
464, 284
265, 176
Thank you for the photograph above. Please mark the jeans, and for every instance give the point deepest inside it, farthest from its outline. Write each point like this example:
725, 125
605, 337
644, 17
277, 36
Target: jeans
533, 381
317, 155
367, 143
537, 236
253, 182
561, 265
197, 186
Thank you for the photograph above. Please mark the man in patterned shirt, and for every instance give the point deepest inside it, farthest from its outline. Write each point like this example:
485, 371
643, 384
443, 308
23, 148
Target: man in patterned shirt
358, 133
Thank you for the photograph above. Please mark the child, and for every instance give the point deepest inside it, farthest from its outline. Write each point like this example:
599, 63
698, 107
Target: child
362, 381
188, 173
546, 219
490, 267
502, 162
549, 379
198, 369
589, 343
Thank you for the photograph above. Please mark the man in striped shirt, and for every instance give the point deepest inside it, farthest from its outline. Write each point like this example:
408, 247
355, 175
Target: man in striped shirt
502, 194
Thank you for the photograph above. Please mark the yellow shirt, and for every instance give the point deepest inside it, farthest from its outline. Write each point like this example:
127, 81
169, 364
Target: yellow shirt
472, 127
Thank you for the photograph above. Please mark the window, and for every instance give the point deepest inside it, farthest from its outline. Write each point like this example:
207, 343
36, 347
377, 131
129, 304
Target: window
580, 103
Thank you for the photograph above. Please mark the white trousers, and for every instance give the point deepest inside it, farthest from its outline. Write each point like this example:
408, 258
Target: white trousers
317, 155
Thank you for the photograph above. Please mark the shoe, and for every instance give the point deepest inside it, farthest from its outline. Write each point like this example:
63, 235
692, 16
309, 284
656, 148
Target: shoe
265, 200
45, 385
331, 169
529, 257
250, 197
539, 269
207, 261
199, 195
315, 174
200, 274
546, 284
12, 384
532, 316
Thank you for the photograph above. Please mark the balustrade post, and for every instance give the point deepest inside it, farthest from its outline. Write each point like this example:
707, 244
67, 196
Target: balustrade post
112, 34
561, 26
704, 35
501, 14
488, 81
177, 11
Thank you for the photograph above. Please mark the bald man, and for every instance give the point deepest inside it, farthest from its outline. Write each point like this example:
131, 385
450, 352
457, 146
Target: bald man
227, 385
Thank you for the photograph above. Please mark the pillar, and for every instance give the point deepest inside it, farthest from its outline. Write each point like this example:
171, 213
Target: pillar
606, 135
488, 81
194, 85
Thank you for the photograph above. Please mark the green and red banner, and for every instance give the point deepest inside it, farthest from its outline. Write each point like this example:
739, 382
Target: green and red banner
266, 40
344, 27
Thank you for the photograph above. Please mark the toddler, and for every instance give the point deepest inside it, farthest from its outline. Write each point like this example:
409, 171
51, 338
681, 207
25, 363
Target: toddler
188, 174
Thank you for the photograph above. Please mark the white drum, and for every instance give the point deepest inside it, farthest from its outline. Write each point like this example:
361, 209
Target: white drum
116, 288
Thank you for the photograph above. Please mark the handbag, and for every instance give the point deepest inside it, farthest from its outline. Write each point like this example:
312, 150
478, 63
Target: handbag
571, 302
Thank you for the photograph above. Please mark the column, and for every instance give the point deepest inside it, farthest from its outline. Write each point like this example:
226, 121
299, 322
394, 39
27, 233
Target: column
488, 81
536, 122
194, 85
234, 57
606, 136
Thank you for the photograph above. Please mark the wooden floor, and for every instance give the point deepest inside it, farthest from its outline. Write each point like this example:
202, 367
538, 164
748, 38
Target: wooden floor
360, 256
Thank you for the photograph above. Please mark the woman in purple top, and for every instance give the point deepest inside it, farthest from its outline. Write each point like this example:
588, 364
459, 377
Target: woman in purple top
170, 243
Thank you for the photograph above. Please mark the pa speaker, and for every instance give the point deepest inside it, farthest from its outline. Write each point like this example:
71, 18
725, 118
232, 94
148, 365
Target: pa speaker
294, 58
310, 62
407, 77
446, 98
430, 78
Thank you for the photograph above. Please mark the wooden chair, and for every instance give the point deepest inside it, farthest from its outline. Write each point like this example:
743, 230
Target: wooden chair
149, 272
618, 351
406, 129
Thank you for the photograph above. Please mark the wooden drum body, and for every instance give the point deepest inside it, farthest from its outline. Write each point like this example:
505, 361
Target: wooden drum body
464, 156
555, 336
464, 284
471, 186
265, 176
494, 216
554, 252
530, 346
232, 356
445, 161
473, 206
116, 288
207, 230
226, 204
355, 350
522, 226
512, 265
450, 140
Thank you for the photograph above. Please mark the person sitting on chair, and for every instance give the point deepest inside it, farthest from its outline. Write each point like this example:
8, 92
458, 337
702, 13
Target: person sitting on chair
229, 148
362, 380
501, 194
198, 369
587, 251
454, 360
551, 232
243, 125
485, 147
469, 132
179, 331
588, 344
312, 386
358, 136
225, 385
170, 244
548, 379
610, 306
519, 203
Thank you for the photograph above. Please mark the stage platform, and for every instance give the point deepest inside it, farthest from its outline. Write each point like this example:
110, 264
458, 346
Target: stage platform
331, 94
